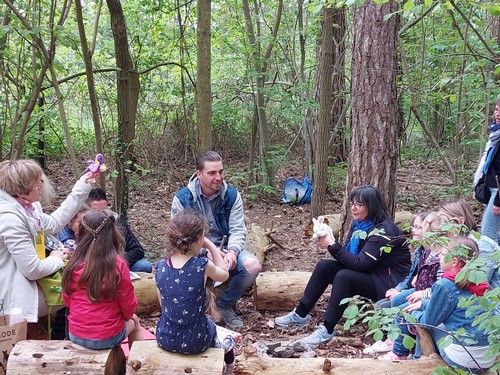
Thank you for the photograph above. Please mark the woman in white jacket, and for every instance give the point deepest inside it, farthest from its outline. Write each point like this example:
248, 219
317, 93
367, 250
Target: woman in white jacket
22, 228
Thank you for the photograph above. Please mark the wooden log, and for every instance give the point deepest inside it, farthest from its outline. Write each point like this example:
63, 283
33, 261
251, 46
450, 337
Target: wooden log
333, 220
279, 290
257, 242
145, 292
250, 364
146, 357
426, 342
38, 357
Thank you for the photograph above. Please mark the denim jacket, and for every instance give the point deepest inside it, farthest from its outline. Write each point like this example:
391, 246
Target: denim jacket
487, 247
442, 308
406, 283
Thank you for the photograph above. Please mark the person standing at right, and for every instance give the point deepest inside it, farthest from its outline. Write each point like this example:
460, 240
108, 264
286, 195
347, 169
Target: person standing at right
489, 166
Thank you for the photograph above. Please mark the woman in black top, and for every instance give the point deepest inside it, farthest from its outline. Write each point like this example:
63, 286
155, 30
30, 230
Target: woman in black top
365, 267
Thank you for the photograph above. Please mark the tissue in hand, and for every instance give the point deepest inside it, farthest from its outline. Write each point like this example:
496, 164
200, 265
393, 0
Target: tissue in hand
320, 229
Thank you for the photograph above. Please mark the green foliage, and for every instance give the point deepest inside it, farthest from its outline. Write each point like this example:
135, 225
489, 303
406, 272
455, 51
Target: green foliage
337, 174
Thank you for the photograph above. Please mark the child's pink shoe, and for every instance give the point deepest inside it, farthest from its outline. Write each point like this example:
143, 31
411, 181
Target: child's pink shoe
391, 356
379, 347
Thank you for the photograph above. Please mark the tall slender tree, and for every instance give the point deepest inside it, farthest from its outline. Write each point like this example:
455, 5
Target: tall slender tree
203, 77
260, 64
325, 105
127, 87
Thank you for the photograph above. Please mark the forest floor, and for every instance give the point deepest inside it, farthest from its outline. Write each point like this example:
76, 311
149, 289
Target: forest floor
419, 187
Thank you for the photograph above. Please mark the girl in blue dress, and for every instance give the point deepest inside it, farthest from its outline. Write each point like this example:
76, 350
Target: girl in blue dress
181, 282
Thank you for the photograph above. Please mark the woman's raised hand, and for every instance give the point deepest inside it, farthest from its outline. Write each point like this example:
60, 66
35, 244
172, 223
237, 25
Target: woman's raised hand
88, 178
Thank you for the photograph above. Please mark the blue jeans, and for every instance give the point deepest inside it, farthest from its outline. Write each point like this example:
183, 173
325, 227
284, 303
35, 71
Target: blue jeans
142, 265
100, 344
239, 281
398, 347
400, 299
490, 224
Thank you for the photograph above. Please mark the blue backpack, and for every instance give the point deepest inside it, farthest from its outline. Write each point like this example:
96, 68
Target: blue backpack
297, 192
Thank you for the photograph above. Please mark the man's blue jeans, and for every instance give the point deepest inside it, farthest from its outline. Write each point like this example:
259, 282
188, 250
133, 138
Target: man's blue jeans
490, 224
239, 281
142, 265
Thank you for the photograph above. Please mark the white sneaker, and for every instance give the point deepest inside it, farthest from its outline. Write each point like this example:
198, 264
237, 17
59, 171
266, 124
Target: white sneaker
292, 318
378, 347
319, 336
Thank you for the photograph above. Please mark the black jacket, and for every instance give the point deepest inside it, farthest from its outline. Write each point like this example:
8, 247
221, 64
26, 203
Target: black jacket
386, 268
133, 248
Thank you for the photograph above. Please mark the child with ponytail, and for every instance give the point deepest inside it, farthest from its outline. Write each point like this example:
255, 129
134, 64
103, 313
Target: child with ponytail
181, 283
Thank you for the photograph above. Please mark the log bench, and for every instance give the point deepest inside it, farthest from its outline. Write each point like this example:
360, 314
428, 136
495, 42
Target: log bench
38, 357
273, 291
279, 290
30, 357
146, 357
251, 364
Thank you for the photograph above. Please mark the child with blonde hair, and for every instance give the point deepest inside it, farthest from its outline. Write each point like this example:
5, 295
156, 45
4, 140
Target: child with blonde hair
442, 310
427, 274
181, 281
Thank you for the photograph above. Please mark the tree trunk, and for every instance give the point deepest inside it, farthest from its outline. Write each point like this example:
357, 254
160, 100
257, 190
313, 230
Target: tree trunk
337, 142
259, 62
251, 364
37, 357
375, 119
203, 77
127, 88
309, 119
146, 357
325, 105
280, 290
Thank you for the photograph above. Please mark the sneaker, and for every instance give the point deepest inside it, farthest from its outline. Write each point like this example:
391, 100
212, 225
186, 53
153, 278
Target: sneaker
228, 368
391, 356
292, 318
319, 336
229, 317
379, 347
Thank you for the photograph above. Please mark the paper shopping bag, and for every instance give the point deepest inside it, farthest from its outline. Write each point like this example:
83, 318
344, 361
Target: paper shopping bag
10, 334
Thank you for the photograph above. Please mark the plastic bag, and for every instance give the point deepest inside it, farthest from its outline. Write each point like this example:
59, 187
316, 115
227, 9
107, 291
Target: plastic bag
297, 192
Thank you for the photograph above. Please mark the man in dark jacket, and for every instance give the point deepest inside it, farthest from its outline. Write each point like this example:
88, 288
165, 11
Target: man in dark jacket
134, 252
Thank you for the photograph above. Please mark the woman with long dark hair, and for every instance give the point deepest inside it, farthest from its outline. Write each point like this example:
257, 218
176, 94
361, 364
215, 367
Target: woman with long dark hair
367, 265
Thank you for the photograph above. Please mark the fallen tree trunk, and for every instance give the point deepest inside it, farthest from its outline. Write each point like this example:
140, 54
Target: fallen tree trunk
257, 242
333, 220
35, 357
145, 292
250, 364
279, 290
146, 357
